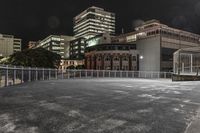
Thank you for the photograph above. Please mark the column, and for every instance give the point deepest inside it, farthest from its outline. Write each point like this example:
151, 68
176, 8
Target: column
120, 58
86, 59
111, 62
95, 62
130, 62
90, 62
102, 62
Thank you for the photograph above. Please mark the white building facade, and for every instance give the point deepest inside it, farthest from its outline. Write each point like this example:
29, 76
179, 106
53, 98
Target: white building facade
94, 21
9, 45
156, 44
57, 44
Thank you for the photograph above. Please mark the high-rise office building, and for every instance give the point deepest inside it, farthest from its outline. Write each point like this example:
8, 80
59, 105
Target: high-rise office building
57, 44
17, 45
9, 45
77, 48
94, 21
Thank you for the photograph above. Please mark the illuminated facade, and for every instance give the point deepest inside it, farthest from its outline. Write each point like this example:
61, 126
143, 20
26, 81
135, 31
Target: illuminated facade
65, 64
104, 38
57, 44
32, 44
157, 43
112, 57
9, 45
77, 49
17, 45
94, 21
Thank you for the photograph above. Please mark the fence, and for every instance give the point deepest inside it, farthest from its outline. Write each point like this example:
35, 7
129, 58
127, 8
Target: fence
12, 75
112, 74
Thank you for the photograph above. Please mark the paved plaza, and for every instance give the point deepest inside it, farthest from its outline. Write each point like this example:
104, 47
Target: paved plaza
101, 106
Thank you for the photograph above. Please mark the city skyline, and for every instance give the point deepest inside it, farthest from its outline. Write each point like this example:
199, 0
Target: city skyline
35, 20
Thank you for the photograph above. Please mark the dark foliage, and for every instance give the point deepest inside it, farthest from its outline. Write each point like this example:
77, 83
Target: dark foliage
35, 58
80, 67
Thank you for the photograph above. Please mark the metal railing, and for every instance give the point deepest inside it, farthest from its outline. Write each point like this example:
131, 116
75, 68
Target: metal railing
12, 75
194, 70
112, 74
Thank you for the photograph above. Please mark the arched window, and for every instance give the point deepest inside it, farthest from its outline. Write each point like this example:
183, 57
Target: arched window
116, 58
125, 58
99, 58
107, 58
134, 58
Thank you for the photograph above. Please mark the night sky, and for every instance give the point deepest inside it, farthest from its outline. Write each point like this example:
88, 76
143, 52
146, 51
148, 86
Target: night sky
36, 19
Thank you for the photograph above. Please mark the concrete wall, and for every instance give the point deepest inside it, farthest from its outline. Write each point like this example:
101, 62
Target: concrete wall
150, 50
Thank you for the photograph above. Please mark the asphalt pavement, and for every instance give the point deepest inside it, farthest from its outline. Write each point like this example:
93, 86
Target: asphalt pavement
101, 106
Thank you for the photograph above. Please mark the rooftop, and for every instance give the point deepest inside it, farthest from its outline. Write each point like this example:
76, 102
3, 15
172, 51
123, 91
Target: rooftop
100, 105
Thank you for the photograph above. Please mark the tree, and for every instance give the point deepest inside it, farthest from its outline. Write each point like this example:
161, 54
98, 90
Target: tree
71, 67
80, 67
38, 57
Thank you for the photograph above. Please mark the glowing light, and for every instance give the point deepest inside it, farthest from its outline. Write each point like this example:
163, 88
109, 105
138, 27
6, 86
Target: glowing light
141, 57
